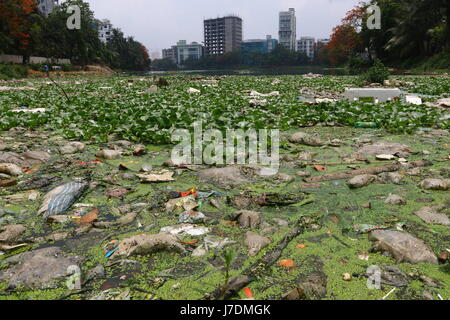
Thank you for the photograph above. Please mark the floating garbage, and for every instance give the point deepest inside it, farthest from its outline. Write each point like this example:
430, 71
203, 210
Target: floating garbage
365, 228
367, 125
186, 228
60, 199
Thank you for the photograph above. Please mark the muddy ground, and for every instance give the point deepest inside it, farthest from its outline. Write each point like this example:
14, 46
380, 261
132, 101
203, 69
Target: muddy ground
329, 246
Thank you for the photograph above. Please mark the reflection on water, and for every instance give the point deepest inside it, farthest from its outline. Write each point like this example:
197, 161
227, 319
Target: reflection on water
255, 72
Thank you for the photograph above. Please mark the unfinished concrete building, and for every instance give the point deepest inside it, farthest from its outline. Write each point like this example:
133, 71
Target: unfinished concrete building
288, 29
222, 35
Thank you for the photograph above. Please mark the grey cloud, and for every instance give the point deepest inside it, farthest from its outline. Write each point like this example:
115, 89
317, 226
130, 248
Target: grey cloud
159, 24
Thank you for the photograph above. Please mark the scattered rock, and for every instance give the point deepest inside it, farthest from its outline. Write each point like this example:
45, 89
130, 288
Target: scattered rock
231, 176
255, 243
361, 181
396, 200
249, 219
109, 154
435, 184
145, 244
386, 148
127, 219
39, 269
10, 169
391, 177
281, 222
403, 246
157, 176
72, 147
36, 156
303, 174
9, 233
310, 286
431, 215
430, 282
306, 139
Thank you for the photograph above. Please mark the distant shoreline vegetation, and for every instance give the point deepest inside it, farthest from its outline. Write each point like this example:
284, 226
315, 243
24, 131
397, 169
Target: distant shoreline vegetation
25, 31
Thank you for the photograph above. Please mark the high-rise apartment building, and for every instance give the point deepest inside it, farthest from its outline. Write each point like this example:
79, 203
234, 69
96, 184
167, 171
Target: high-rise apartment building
307, 46
222, 35
169, 54
288, 29
323, 41
104, 30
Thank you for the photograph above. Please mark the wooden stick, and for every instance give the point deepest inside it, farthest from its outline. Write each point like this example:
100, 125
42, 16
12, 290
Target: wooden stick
265, 262
372, 170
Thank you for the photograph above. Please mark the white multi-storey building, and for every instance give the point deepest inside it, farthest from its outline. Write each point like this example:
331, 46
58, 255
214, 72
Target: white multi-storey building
307, 46
323, 41
288, 29
46, 6
185, 51
104, 30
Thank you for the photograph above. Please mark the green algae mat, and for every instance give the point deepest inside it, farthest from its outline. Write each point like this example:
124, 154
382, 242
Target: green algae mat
278, 236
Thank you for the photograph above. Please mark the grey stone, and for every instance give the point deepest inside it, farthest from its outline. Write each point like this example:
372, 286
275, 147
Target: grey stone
360, 181
385, 148
255, 243
39, 269
395, 200
249, 219
431, 215
403, 246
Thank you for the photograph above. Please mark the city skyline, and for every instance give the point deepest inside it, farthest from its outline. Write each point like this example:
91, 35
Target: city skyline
314, 18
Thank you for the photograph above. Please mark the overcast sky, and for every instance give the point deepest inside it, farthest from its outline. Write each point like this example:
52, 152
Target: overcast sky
160, 24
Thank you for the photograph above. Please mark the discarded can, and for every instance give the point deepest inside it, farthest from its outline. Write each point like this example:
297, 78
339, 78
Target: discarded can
366, 125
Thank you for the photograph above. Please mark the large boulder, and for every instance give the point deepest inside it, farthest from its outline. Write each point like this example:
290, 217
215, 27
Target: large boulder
403, 246
435, 184
307, 139
312, 285
248, 219
431, 215
361, 181
9, 233
39, 269
255, 243
228, 176
385, 148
